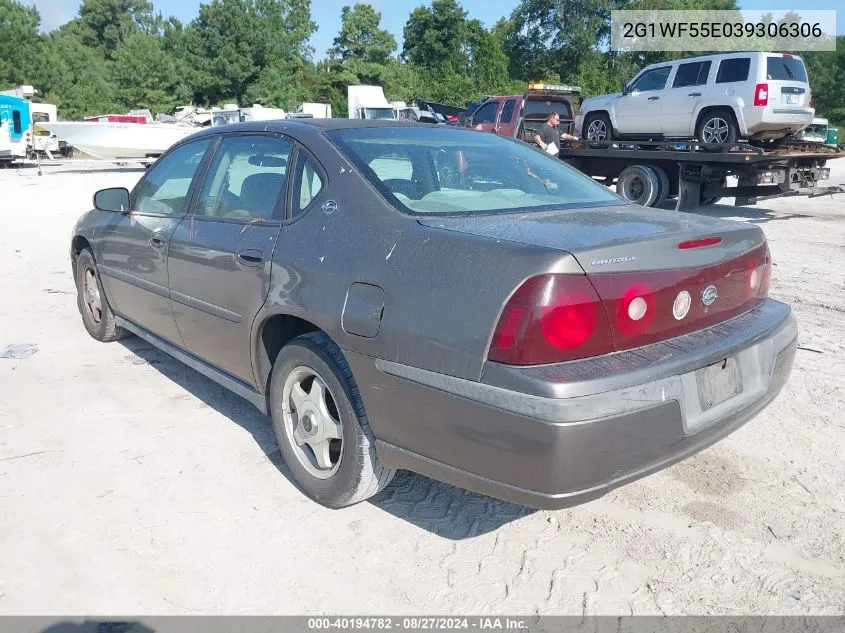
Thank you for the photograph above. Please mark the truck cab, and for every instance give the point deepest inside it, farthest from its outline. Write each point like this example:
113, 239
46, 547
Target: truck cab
519, 116
15, 128
369, 102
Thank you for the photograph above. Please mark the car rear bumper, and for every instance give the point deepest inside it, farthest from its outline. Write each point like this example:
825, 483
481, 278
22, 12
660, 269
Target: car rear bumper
559, 435
757, 120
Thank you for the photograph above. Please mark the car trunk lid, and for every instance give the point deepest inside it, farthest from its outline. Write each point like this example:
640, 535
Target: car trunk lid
683, 272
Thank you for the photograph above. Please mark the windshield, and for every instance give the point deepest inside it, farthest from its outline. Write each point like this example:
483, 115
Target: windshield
815, 130
379, 113
446, 170
785, 69
536, 108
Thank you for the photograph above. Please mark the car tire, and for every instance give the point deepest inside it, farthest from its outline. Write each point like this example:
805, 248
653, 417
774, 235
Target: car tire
638, 184
97, 315
327, 444
663, 182
715, 129
602, 130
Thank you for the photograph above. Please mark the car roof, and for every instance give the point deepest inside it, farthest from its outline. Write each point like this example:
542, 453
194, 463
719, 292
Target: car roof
307, 127
726, 54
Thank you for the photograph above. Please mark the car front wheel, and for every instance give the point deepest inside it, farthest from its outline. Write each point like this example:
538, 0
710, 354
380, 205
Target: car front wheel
321, 425
597, 128
97, 315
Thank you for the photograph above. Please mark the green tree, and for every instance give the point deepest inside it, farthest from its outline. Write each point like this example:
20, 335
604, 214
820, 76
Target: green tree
76, 78
20, 43
435, 36
106, 25
146, 76
236, 43
362, 48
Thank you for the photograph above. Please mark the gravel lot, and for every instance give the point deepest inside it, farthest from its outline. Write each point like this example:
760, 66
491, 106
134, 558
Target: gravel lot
130, 484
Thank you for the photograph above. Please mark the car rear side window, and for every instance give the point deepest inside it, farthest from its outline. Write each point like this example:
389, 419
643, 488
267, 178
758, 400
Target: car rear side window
309, 183
692, 74
246, 178
165, 187
486, 113
731, 70
785, 69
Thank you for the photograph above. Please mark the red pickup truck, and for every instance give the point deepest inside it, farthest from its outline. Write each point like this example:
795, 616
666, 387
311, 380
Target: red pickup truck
518, 116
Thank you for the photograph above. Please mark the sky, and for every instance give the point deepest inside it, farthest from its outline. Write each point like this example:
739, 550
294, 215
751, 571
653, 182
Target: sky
326, 13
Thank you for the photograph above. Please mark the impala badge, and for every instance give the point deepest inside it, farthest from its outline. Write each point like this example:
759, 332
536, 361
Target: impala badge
709, 294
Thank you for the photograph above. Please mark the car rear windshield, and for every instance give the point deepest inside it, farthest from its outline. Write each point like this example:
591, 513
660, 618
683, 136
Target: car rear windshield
539, 108
785, 69
451, 171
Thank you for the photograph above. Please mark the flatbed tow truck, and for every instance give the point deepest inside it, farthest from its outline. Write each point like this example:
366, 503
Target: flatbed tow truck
651, 172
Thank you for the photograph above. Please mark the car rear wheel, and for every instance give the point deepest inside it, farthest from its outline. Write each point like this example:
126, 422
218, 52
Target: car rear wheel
321, 425
597, 128
638, 184
716, 128
97, 315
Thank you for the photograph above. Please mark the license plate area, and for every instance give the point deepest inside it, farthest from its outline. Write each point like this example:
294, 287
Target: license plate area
792, 99
718, 382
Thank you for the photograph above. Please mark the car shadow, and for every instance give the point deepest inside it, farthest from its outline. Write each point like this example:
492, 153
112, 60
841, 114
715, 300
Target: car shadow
447, 511
751, 214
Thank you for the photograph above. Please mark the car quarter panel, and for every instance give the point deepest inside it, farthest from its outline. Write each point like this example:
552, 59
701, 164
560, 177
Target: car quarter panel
443, 290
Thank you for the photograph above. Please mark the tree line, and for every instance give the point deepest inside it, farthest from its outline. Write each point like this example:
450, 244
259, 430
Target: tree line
121, 54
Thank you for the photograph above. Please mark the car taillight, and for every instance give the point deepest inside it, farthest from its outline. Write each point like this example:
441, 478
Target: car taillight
551, 318
761, 94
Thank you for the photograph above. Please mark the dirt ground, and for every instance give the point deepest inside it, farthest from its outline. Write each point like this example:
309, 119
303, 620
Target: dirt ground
130, 484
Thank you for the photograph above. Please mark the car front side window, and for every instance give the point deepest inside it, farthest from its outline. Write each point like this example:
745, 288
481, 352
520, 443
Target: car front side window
165, 188
653, 79
246, 178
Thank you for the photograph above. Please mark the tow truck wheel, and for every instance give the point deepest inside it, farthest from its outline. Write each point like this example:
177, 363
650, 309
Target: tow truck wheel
663, 181
638, 184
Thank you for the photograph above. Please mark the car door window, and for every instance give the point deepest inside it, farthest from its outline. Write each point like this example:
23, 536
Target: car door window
692, 74
308, 185
486, 113
731, 70
165, 187
245, 179
653, 79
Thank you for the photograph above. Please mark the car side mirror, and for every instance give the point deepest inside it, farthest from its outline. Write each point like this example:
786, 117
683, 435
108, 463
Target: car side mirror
115, 200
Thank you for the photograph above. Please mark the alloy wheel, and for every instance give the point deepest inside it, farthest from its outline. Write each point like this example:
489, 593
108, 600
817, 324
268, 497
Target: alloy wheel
311, 422
715, 131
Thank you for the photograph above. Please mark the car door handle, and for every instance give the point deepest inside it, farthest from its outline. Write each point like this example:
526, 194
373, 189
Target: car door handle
694, 94
158, 240
251, 257
653, 98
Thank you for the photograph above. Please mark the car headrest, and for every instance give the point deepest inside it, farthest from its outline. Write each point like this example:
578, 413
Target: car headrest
259, 193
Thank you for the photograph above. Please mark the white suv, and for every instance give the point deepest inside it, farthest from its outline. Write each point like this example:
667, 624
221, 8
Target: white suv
715, 98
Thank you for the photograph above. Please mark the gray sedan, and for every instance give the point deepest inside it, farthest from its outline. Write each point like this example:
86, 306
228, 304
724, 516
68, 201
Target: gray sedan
437, 299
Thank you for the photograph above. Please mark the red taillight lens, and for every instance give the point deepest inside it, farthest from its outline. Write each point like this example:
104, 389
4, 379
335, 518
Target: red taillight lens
549, 319
761, 94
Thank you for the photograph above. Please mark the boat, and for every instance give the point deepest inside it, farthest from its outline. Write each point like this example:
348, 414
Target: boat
117, 140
